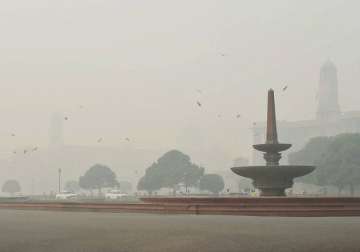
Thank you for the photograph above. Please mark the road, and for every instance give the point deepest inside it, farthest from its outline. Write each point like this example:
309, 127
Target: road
37, 231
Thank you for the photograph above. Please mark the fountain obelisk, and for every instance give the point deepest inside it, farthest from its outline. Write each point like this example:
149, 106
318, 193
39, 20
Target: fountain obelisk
272, 179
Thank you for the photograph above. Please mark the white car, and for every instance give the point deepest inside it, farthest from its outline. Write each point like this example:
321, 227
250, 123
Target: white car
115, 195
66, 195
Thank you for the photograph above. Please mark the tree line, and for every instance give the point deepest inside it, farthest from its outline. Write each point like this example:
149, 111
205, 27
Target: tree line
337, 161
172, 170
175, 170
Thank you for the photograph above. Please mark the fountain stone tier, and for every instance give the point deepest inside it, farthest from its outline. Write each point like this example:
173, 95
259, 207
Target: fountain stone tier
272, 179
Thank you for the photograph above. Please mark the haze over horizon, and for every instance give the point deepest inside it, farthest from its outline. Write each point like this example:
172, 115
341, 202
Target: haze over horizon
135, 68
178, 125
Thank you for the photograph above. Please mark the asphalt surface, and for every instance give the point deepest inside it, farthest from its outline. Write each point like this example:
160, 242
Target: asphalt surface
87, 232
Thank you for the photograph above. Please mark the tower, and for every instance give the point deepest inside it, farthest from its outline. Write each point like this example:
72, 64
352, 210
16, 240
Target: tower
56, 131
328, 104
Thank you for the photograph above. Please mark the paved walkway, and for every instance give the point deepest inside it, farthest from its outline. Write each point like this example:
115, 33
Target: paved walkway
37, 231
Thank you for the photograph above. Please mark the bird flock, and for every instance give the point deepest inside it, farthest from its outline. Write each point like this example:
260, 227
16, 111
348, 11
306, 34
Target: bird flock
101, 139
238, 115
36, 148
200, 105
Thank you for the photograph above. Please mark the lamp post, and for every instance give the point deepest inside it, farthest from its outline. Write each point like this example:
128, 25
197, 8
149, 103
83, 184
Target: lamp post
59, 171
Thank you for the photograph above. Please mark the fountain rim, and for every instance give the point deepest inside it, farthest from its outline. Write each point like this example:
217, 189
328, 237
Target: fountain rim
272, 147
272, 166
291, 171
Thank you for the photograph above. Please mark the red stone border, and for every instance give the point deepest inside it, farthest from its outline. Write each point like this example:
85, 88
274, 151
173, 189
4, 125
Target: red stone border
269, 206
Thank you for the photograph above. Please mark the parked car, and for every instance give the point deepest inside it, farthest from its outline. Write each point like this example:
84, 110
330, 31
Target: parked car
115, 195
65, 195
250, 192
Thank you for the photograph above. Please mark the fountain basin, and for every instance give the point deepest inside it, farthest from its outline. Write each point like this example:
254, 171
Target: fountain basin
273, 180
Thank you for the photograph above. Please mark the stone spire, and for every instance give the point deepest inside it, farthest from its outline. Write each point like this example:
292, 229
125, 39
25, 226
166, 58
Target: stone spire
328, 104
271, 147
271, 131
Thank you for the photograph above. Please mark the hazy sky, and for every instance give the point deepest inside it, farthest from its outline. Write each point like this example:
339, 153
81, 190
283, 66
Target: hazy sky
135, 67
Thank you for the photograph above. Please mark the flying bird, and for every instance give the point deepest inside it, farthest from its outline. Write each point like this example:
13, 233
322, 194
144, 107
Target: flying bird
127, 139
14, 152
12, 134
66, 118
238, 116
100, 140
198, 103
284, 88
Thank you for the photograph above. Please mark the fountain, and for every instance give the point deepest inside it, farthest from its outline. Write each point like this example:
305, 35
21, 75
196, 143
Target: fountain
272, 179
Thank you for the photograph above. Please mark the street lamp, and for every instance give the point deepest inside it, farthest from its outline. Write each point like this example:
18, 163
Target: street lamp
59, 171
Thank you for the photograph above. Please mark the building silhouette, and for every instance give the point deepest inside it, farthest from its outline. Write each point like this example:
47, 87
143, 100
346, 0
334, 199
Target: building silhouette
329, 120
328, 101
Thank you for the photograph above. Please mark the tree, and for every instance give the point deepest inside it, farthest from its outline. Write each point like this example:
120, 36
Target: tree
337, 161
149, 183
192, 175
212, 182
312, 154
170, 171
342, 162
72, 186
98, 177
11, 186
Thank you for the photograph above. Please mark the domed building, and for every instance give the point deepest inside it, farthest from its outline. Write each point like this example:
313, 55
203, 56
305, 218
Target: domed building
329, 121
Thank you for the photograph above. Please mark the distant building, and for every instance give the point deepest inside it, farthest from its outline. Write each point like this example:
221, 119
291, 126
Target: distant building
329, 119
328, 102
37, 170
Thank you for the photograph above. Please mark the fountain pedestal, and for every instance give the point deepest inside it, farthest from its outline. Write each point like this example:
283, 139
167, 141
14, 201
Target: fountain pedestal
272, 179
